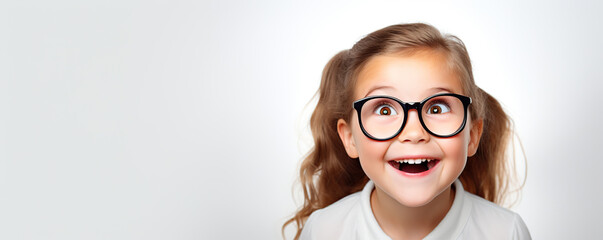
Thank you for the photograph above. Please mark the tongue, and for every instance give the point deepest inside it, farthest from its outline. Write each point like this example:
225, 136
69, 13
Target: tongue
413, 168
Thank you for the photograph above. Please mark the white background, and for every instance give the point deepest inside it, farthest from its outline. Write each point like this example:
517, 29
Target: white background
186, 120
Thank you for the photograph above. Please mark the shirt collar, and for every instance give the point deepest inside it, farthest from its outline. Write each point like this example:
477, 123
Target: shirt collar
451, 226
455, 220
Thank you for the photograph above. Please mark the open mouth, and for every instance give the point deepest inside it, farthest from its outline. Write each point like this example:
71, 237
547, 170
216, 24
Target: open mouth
414, 165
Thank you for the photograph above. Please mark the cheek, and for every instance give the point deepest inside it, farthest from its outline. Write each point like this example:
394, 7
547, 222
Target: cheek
371, 155
456, 147
368, 149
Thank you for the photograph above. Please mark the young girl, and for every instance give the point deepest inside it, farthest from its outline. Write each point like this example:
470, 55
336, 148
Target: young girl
406, 145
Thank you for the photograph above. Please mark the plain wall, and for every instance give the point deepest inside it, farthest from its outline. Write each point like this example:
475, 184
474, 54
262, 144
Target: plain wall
188, 120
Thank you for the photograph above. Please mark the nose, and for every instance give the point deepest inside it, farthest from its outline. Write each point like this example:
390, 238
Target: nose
413, 131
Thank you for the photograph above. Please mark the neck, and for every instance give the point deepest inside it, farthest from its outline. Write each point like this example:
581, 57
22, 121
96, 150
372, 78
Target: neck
403, 222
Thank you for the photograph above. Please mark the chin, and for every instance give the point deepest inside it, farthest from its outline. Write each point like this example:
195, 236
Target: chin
415, 201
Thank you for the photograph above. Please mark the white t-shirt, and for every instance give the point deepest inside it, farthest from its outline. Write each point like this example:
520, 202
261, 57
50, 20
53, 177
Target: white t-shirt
470, 217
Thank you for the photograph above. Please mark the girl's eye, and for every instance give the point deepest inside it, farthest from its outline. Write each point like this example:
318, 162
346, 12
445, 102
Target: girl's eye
438, 108
385, 110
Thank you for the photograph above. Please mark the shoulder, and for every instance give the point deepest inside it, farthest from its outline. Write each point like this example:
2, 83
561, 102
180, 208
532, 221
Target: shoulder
330, 222
340, 208
496, 221
485, 209
349, 218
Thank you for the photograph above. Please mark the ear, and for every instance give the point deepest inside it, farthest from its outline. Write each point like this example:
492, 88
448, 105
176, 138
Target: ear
475, 135
345, 133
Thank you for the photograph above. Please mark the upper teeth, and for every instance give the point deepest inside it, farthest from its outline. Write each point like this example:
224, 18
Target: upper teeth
414, 161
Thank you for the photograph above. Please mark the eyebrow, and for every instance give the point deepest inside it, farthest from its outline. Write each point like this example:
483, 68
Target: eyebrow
432, 90
375, 88
440, 89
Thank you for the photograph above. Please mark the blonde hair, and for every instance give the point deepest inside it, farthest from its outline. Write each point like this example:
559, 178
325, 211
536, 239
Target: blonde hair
328, 174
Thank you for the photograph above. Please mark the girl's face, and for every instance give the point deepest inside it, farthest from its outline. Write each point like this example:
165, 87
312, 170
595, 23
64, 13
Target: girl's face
410, 79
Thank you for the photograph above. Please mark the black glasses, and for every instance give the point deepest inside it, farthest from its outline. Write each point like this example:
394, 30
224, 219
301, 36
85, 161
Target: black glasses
383, 117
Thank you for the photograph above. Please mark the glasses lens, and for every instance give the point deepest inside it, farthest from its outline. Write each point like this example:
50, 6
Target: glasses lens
443, 115
382, 117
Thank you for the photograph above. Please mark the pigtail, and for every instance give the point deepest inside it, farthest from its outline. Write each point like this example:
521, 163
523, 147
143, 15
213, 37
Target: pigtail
327, 173
486, 173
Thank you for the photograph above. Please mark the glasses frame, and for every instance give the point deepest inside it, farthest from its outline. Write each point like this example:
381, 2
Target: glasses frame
408, 106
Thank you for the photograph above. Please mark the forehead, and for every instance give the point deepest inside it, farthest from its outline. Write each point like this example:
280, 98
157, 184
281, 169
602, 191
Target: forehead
407, 77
